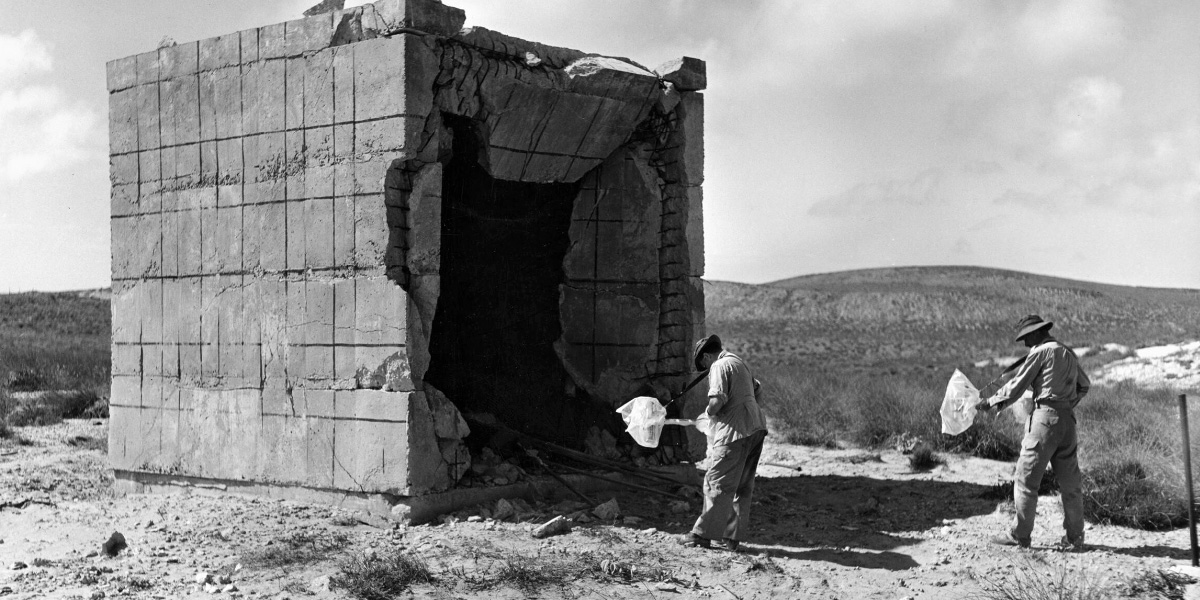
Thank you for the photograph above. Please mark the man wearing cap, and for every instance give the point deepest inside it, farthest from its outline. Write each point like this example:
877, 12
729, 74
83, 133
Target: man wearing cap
735, 440
1052, 371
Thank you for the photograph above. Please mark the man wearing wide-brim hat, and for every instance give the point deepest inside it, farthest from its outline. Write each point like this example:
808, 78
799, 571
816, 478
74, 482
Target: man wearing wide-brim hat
1058, 382
735, 431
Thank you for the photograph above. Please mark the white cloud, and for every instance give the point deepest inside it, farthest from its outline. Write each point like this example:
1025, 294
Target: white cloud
21, 55
43, 130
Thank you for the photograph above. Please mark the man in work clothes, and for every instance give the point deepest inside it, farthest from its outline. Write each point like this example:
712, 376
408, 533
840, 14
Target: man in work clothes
1052, 371
735, 441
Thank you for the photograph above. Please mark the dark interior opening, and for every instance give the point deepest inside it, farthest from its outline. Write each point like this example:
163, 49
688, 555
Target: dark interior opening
497, 318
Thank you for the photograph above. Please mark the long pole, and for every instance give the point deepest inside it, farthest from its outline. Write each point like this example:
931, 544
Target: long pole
1187, 473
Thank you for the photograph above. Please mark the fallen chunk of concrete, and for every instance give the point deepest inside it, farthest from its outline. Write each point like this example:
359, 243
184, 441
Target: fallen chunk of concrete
555, 526
607, 511
115, 544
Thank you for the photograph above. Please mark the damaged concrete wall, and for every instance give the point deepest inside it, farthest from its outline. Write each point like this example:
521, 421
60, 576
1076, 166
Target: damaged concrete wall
276, 202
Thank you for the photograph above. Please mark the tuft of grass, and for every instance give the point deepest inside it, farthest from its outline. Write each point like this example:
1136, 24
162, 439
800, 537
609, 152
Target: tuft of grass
531, 574
52, 407
1122, 493
299, 548
923, 458
373, 577
1157, 583
1035, 580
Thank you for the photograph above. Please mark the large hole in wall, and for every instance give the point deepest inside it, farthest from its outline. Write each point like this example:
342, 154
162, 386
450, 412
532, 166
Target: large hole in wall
492, 343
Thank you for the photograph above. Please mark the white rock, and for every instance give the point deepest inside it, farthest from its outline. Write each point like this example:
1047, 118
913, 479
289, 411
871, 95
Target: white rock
607, 511
202, 577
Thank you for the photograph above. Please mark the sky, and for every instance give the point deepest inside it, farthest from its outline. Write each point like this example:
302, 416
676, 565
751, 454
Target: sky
1059, 137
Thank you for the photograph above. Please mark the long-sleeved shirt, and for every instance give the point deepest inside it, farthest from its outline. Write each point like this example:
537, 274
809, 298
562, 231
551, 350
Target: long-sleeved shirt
732, 389
1052, 371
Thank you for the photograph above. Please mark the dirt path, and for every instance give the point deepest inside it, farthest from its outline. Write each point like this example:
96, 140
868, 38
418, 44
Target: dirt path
852, 524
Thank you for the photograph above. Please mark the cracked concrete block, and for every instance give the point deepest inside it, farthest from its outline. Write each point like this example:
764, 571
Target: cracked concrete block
320, 403
230, 163
123, 434
685, 73
296, 235
179, 60
220, 51
121, 73
172, 291
150, 310
294, 169
386, 17
427, 471
295, 71
126, 360
229, 240
188, 242
210, 241
319, 455
318, 233
374, 405
123, 199
371, 457
380, 312
249, 42
170, 244
695, 230
230, 328
343, 84
229, 195
187, 168
309, 34
150, 197
209, 326
424, 252
318, 89
422, 303
319, 303
294, 330
189, 311
343, 231
271, 41
147, 67
148, 117
388, 78
123, 109
152, 389
448, 422
148, 245
370, 231
181, 102
124, 168
343, 312
386, 135
262, 96
284, 441
146, 167
225, 88
615, 78
494, 41
685, 151
224, 427
126, 326
383, 367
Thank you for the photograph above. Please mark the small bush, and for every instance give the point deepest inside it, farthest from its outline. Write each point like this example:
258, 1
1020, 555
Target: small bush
371, 577
299, 548
923, 458
50, 408
1158, 583
1121, 493
529, 575
1035, 580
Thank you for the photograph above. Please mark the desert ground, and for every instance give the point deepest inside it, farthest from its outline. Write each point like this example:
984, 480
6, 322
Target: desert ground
827, 523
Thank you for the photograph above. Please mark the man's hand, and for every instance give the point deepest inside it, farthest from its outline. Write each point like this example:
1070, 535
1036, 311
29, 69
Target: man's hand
983, 405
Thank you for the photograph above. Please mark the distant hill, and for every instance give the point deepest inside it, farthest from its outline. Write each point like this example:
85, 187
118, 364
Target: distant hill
917, 317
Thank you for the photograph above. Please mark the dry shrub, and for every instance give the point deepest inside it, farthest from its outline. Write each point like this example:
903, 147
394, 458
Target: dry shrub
1122, 493
923, 458
1033, 579
1158, 583
299, 548
373, 577
52, 407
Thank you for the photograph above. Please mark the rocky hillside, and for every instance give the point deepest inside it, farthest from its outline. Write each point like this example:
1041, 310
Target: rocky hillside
915, 317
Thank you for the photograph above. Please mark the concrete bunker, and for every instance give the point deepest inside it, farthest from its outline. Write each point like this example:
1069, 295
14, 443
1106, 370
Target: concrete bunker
338, 240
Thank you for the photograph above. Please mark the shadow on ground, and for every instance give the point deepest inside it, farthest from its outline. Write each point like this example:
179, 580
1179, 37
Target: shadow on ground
846, 520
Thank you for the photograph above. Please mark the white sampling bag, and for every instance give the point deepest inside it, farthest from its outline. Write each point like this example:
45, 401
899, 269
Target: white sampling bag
644, 419
958, 407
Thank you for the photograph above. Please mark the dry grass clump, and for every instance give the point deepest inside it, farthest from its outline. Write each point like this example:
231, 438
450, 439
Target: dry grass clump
1033, 579
1157, 583
51, 408
374, 577
299, 548
923, 458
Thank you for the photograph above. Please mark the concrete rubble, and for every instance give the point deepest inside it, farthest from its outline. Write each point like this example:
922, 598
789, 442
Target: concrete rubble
300, 246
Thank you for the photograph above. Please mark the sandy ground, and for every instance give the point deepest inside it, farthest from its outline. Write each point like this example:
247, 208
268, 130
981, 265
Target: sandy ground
851, 524
1174, 365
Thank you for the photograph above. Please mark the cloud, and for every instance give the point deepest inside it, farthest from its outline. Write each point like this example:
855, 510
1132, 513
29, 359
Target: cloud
43, 130
925, 189
21, 55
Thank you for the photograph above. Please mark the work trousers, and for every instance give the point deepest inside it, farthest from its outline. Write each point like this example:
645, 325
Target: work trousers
728, 489
1049, 439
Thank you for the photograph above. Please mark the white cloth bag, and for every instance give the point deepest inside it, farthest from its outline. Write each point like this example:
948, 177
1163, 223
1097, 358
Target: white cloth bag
958, 406
644, 419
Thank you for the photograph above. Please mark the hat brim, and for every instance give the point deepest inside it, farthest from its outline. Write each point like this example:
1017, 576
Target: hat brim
1032, 328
